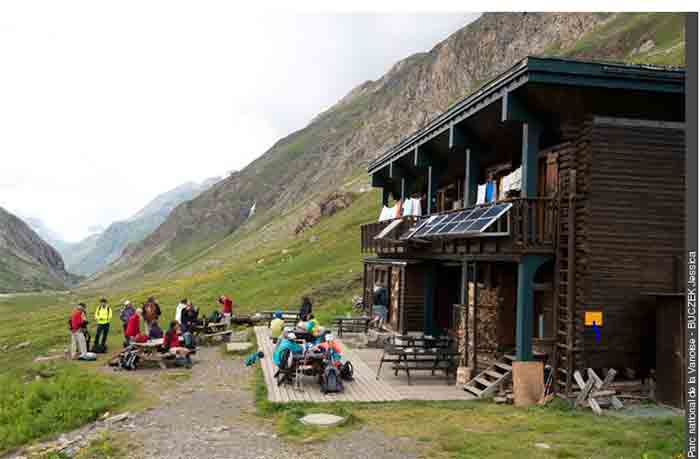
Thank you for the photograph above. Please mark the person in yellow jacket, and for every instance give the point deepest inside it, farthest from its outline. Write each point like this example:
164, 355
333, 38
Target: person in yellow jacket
103, 317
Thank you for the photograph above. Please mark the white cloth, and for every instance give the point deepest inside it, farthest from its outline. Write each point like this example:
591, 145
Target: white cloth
417, 211
407, 209
481, 194
516, 179
387, 213
178, 312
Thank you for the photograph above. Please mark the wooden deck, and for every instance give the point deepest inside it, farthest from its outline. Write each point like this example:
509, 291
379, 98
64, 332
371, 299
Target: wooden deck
365, 387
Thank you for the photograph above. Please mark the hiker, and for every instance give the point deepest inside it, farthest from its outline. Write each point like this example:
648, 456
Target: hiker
171, 344
276, 326
125, 314
133, 327
189, 320
103, 317
226, 308
380, 301
151, 313
78, 347
306, 309
287, 342
179, 308
330, 345
155, 332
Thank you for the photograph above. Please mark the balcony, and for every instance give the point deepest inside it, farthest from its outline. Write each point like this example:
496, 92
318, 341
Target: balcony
520, 225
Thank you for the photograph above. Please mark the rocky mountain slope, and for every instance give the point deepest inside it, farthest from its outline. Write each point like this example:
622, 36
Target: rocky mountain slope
374, 115
27, 262
94, 253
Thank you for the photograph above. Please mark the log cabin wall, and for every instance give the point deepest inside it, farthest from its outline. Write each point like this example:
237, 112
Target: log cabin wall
630, 231
413, 301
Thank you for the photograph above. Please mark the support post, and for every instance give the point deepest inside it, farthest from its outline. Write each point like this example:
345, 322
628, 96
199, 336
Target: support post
530, 148
385, 196
403, 189
429, 199
471, 177
524, 317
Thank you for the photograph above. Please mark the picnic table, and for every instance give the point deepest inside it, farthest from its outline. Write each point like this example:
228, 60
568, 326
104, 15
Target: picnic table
150, 351
419, 353
351, 324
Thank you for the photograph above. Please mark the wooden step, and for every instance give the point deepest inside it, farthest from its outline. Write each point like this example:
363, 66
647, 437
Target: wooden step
494, 374
483, 381
504, 366
510, 357
473, 390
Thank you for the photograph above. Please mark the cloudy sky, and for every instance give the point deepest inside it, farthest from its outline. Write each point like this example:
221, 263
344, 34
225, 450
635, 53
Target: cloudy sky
105, 105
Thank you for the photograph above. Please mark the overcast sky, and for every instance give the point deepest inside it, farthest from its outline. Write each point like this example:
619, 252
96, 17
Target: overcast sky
105, 105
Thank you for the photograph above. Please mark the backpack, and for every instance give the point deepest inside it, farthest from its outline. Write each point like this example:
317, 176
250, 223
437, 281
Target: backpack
141, 338
215, 316
286, 360
150, 312
330, 381
346, 371
128, 360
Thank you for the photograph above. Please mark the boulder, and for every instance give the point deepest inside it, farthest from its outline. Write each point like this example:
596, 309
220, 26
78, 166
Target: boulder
238, 347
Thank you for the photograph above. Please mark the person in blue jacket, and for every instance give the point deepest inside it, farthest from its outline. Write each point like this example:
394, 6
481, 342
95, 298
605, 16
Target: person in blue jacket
287, 342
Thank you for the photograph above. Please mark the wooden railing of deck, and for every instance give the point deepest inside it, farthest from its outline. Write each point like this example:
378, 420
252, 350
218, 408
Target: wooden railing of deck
533, 226
533, 222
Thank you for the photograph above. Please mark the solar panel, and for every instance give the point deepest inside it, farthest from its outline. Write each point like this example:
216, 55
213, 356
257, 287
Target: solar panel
469, 221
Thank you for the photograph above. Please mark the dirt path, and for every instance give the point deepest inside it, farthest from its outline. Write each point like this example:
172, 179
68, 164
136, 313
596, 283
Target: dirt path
211, 415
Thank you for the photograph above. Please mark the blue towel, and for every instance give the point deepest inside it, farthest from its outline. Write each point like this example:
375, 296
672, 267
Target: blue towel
490, 192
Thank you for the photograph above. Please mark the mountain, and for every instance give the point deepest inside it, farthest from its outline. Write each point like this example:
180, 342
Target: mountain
94, 253
27, 262
338, 142
46, 233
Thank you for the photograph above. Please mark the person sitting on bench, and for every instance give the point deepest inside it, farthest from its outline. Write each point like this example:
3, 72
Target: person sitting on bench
330, 345
171, 345
276, 326
287, 342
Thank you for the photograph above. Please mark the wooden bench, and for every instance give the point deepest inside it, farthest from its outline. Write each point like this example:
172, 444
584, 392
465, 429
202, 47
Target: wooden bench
290, 318
351, 324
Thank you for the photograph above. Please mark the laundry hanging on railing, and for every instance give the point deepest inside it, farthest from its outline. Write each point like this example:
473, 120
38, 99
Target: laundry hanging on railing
387, 213
481, 194
490, 191
511, 182
411, 208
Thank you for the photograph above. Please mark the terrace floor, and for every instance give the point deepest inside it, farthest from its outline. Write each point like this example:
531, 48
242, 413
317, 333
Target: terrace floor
365, 387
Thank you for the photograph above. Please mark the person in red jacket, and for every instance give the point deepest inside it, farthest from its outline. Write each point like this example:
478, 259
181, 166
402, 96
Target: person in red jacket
171, 344
226, 308
133, 326
78, 347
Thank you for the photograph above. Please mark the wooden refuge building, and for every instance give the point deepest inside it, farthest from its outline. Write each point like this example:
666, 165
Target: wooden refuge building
554, 196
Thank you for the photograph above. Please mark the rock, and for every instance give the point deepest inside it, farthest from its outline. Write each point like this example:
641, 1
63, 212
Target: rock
118, 418
542, 446
239, 337
313, 239
321, 420
285, 252
47, 358
23, 345
238, 347
260, 261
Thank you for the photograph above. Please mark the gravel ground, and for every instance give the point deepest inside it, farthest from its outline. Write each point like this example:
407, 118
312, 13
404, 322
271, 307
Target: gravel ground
211, 415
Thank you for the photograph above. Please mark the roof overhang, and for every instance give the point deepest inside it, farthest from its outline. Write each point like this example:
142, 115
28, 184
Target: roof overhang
560, 72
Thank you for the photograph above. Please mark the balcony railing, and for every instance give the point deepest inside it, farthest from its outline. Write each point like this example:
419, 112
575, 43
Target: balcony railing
531, 223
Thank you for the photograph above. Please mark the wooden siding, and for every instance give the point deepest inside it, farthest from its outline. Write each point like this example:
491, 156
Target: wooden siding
632, 231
